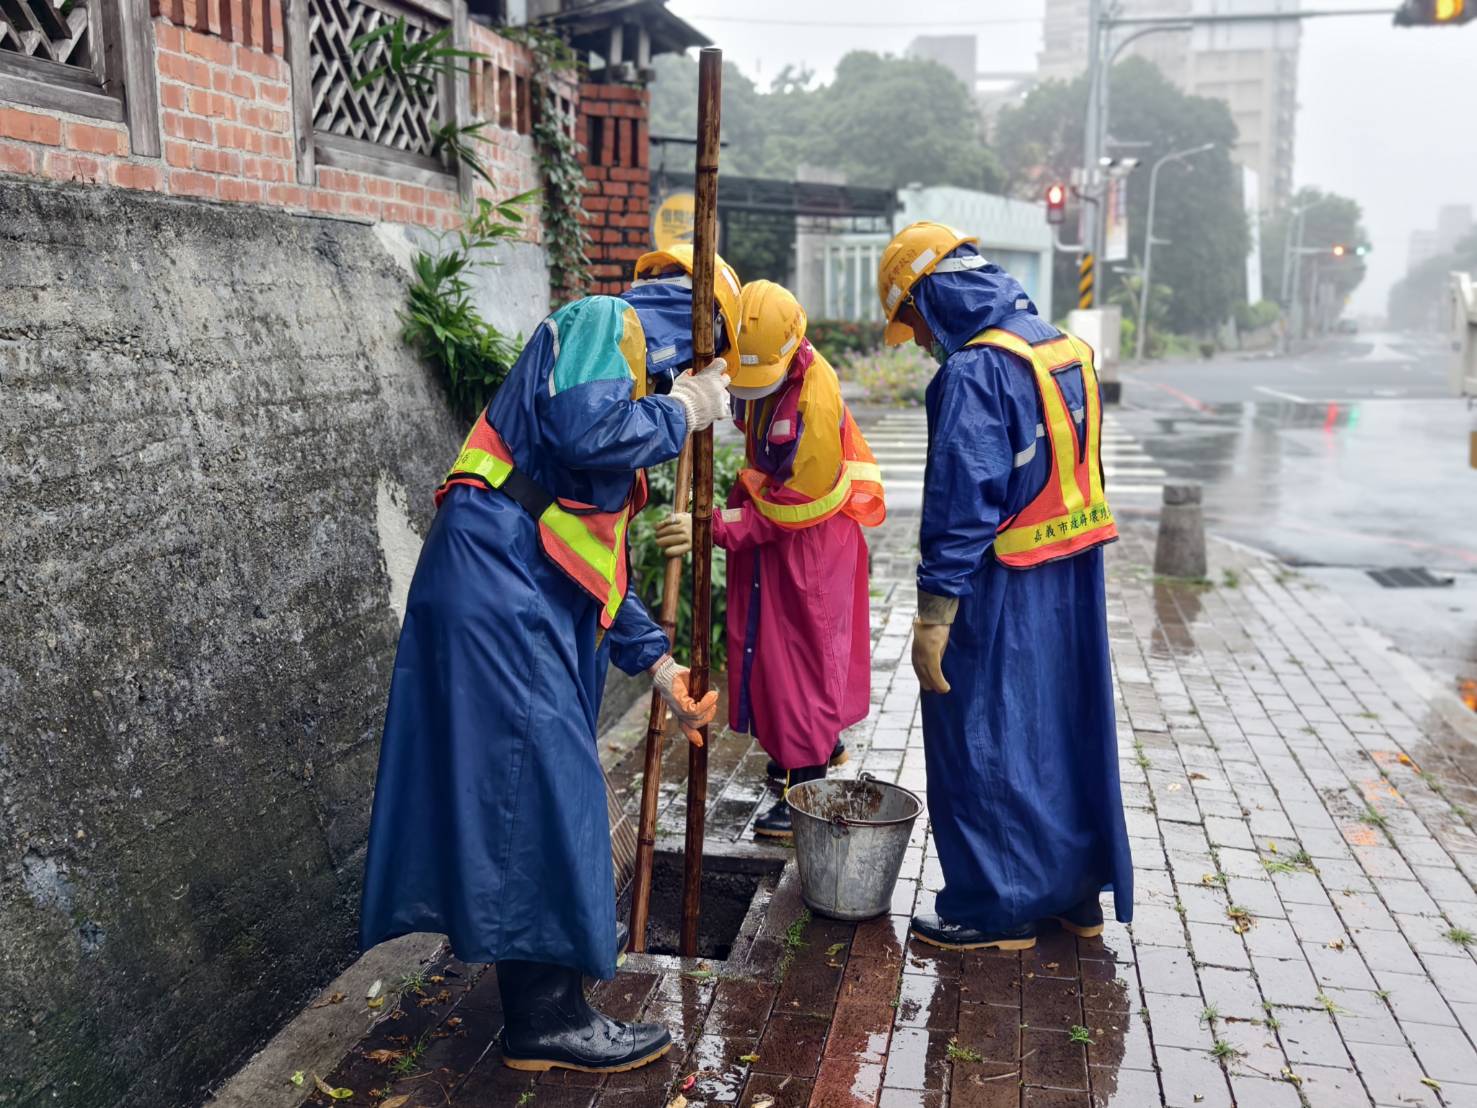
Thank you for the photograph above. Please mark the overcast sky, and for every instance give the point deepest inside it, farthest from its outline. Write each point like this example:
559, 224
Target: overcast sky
1387, 115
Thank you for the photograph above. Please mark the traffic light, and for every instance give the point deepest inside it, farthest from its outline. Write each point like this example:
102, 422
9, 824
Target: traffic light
1435, 13
1056, 202
1342, 251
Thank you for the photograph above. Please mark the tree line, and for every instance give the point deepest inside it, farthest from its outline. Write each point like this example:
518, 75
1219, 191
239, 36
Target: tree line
892, 122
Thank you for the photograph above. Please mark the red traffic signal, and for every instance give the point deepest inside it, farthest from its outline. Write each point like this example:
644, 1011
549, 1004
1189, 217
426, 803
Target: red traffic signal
1056, 202
1340, 250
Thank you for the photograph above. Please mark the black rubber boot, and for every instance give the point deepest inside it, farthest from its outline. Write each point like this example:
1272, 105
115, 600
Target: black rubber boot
1085, 920
838, 757
776, 823
547, 1024
935, 931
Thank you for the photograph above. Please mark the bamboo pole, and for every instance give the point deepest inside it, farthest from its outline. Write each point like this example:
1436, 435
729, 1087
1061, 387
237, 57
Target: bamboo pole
705, 235
656, 726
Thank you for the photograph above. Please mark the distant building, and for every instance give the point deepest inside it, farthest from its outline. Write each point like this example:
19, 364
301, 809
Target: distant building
1252, 67
836, 271
959, 54
1453, 223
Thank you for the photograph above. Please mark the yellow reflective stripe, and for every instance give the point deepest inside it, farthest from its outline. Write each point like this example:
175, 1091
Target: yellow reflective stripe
491, 469
1093, 415
578, 538
804, 513
613, 602
996, 337
1026, 536
1061, 434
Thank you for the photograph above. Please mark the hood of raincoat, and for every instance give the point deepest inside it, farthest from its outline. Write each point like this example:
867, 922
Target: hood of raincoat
958, 306
665, 312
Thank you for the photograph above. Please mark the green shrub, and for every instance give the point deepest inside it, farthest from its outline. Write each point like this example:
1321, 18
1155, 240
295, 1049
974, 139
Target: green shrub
895, 376
839, 339
649, 568
1253, 317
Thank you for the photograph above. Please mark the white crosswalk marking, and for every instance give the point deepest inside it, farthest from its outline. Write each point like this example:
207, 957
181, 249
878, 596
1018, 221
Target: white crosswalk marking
900, 442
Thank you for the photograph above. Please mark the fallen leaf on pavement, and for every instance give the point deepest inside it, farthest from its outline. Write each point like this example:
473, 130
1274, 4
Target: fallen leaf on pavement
1336, 944
678, 1101
397, 1101
750, 1058
1196, 775
299, 1077
374, 990
333, 998
1431, 1082
329, 1091
763, 1102
385, 1057
375, 1002
689, 1081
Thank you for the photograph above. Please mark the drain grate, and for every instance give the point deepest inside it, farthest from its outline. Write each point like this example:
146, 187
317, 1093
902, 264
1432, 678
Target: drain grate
1402, 577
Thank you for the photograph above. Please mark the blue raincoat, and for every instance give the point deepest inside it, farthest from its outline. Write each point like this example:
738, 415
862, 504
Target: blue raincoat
1023, 793
490, 821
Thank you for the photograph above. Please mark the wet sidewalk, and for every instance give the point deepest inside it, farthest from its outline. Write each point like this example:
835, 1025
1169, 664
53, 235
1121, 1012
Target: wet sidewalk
1299, 818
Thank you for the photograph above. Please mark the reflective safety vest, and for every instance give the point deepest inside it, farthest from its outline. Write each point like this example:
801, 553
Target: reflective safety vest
586, 543
1070, 514
857, 491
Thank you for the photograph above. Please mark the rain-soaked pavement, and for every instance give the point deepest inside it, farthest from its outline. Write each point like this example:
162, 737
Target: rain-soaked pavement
1300, 815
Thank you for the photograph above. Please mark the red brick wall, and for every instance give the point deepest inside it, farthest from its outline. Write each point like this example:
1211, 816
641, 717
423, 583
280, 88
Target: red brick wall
226, 125
613, 129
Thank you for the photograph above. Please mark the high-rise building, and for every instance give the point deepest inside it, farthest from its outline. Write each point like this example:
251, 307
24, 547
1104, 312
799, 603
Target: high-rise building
1250, 66
957, 53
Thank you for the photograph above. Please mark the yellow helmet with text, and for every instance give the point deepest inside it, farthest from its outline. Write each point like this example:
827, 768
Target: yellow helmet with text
771, 328
660, 265
912, 255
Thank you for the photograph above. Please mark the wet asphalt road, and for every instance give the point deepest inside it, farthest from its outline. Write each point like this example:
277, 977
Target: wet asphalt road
1346, 457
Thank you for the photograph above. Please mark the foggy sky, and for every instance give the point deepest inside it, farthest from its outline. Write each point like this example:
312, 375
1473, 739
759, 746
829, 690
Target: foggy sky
1386, 115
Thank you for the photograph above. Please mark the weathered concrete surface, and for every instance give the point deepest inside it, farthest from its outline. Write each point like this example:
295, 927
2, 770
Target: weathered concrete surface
206, 419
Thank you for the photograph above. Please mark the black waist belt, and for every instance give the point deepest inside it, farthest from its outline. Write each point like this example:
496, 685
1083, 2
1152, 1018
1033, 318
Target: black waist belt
527, 493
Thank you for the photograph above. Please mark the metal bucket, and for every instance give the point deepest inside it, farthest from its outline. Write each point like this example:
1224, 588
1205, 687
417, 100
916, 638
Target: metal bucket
849, 843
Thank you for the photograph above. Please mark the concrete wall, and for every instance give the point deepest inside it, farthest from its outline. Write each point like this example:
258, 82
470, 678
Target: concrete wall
216, 459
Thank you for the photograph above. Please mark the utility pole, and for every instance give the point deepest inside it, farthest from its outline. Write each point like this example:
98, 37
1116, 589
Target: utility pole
1141, 332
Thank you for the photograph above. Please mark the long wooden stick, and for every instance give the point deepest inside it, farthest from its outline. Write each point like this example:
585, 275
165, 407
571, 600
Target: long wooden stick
704, 251
656, 726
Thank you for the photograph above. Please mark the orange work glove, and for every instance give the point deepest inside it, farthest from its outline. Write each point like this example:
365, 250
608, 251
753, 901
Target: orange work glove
671, 680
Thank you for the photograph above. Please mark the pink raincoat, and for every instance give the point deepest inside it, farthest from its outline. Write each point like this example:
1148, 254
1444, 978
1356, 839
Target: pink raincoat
799, 639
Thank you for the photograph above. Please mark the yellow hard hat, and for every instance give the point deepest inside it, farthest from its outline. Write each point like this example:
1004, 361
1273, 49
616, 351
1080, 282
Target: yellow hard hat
656, 265
771, 325
913, 254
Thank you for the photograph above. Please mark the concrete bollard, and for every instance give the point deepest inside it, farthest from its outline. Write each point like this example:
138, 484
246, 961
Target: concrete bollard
1180, 549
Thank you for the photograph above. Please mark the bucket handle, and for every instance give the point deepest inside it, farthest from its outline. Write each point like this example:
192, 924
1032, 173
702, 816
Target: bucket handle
840, 825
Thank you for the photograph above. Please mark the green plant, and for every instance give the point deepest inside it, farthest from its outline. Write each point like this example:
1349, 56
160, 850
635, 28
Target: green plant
840, 340
442, 323
1230, 578
795, 939
408, 1061
897, 375
566, 240
524, 1098
1373, 817
649, 565
1079, 1034
1224, 1051
957, 1053
1460, 935
1209, 1014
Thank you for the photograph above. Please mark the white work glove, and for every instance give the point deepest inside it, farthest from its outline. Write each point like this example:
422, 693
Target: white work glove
703, 396
671, 680
674, 535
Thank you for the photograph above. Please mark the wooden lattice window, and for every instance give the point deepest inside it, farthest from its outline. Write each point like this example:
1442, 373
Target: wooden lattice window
87, 57
387, 127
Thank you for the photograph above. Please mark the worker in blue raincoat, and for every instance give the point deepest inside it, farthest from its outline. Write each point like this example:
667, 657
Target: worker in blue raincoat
490, 819
1011, 639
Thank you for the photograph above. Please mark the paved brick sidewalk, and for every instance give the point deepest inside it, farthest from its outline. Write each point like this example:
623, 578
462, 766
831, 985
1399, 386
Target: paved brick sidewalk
1304, 872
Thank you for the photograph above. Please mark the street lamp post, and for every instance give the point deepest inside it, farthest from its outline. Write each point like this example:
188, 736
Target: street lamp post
1141, 334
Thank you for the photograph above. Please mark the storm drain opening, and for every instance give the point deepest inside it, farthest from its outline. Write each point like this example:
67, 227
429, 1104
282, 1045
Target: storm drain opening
1412, 577
730, 886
